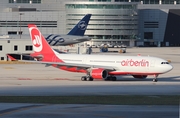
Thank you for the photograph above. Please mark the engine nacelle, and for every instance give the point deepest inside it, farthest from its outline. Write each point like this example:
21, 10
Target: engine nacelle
99, 73
140, 76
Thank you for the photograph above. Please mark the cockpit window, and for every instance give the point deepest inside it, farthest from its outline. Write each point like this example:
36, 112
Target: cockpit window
164, 62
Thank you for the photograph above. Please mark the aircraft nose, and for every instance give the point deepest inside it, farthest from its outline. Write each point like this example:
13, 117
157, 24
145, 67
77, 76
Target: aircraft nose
169, 68
166, 68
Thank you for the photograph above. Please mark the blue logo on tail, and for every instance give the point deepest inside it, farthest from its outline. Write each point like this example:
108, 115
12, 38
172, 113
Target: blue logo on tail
82, 25
54, 39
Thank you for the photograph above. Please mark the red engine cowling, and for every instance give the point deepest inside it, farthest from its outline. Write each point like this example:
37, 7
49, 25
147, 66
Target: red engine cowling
99, 73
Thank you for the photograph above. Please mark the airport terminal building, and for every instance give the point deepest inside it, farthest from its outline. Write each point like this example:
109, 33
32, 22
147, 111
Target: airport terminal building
131, 22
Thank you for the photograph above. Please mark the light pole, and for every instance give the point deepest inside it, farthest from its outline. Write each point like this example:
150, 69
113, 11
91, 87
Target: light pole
20, 24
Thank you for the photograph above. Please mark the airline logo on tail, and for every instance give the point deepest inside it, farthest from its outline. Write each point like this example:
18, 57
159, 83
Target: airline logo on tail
36, 39
82, 25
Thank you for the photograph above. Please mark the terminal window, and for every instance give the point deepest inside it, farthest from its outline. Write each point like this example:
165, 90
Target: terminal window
0, 47
20, 32
15, 48
28, 48
153, 24
148, 35
104, 0
12, 32
2, 58
24, 1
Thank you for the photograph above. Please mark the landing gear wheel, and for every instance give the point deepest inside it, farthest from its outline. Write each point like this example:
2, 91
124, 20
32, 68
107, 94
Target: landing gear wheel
155, 80
89, 79
113, 78
107, 79
83, 78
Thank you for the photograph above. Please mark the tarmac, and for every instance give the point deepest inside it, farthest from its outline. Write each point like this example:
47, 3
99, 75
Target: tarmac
15, 110
36, 79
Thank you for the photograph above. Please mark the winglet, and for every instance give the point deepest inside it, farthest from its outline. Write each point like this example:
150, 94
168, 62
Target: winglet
81, 27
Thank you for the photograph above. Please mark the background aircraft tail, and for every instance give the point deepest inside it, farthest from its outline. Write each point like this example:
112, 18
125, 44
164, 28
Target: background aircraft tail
42, 50
80, 28
11, 58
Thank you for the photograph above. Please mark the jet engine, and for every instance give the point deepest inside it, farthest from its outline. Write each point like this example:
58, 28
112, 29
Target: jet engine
99, 73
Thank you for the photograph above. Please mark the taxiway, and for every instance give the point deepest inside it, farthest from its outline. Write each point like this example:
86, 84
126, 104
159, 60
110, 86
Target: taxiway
36, 79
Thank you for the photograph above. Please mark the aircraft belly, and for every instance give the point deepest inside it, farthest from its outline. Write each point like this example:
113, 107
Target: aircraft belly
130, 71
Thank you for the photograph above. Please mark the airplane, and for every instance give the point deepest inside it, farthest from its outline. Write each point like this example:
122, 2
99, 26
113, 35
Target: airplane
76, 35
96, 67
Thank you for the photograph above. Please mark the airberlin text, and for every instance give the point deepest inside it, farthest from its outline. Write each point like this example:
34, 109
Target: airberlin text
131, 62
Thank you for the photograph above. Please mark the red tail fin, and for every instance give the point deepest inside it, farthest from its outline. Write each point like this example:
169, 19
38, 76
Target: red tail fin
40, 45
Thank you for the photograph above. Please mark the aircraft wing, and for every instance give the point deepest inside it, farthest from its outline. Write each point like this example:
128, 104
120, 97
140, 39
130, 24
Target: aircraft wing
82, 39
83, 66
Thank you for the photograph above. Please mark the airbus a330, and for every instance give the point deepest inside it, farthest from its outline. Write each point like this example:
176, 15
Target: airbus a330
100, 67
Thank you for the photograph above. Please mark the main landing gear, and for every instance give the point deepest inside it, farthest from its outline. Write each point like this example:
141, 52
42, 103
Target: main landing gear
86, 78
89, 78
155, 78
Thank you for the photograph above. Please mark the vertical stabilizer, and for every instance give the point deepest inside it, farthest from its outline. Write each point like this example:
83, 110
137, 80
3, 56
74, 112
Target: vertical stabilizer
81, 27
41, 48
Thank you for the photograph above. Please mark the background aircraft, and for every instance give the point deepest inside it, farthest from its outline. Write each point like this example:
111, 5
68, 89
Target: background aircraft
102, 67
76, 35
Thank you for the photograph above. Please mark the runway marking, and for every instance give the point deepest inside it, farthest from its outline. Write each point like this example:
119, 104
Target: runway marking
12, 110
8, 67
61, 79
24, 79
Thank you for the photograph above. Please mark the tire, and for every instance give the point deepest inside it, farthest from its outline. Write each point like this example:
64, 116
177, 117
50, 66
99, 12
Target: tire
83, 78
155, 80
113, 78
89, 79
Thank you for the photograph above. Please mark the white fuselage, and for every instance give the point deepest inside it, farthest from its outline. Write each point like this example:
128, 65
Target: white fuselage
63, 40
122, 64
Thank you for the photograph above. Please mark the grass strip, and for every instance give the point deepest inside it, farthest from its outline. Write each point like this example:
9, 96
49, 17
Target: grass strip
106, 99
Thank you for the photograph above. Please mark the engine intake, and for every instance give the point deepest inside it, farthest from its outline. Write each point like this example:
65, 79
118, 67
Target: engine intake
99, 73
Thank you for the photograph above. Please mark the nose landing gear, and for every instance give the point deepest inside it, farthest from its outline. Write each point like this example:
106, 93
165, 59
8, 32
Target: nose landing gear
155, 78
